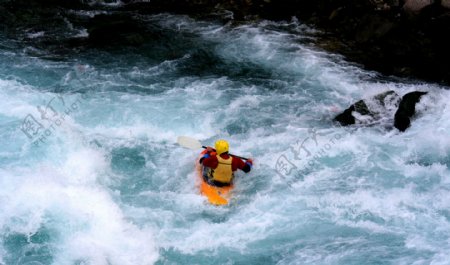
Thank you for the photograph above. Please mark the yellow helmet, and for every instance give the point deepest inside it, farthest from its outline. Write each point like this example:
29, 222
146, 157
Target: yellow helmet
221, 146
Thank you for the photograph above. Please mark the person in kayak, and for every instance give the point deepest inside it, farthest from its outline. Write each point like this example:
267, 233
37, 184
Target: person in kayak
220, 166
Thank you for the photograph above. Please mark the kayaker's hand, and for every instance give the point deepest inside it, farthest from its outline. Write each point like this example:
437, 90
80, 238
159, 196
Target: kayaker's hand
209, 149
250, 161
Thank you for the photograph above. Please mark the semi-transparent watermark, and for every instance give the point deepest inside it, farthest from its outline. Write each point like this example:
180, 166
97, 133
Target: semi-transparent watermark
51, 117
54, 113
305, 154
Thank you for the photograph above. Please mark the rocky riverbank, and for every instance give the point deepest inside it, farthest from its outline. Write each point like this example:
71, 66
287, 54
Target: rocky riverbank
401, 38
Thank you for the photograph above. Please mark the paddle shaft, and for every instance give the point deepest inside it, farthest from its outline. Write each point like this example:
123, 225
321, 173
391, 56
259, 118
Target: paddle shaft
230, 154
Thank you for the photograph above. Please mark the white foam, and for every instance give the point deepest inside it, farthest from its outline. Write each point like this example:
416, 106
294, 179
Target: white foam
370, 180
36, 34
64, 193
88, 224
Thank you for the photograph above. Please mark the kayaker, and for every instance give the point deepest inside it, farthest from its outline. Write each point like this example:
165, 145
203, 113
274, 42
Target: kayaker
220, 165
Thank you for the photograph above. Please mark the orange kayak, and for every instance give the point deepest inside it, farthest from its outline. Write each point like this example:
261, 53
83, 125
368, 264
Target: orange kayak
215, 195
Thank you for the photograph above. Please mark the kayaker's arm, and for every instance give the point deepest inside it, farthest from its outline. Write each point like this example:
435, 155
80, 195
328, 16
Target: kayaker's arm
244, 166
208, 150
209, 160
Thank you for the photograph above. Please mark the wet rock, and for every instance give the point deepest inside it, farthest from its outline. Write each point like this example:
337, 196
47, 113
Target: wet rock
373, 27
346, 117
382, 106
414, 6
407, 109
445, 3
369, 111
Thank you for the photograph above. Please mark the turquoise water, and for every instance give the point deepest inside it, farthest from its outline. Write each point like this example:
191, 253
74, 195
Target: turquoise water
94, 175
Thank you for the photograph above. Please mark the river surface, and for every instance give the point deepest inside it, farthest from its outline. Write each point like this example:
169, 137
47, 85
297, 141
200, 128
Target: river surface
90, 172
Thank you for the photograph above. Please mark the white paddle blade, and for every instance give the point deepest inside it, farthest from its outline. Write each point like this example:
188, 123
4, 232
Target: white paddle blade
189, 142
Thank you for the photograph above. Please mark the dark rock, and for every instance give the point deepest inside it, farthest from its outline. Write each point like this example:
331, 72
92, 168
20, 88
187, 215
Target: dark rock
415, 6
346, 117
445, 3
362, 108
373, 27
364, 112
407, 109
380, 106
